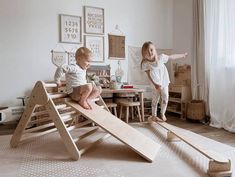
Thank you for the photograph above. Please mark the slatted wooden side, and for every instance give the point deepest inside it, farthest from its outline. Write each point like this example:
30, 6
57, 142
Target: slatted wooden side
47, 112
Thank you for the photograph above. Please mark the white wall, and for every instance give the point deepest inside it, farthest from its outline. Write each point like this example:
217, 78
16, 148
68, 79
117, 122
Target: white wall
183, 28
29, 30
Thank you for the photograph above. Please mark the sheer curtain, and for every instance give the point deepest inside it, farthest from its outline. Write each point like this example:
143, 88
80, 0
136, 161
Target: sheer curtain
219, 29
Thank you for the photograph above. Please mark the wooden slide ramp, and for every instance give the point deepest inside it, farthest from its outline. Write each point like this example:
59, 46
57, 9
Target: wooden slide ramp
50, 110
218, 165
140, 143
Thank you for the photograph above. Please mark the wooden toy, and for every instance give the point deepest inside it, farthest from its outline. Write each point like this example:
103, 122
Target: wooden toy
56, 104
218, 165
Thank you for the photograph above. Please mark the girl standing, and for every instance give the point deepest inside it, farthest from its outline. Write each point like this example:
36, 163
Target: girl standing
154, 66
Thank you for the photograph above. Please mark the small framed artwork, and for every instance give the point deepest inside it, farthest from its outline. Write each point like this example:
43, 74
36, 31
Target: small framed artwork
96, 45
94, 20
70, 29
71, 58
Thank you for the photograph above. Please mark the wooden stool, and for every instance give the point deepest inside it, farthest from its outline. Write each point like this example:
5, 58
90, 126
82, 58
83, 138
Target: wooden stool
112, 107
128, 104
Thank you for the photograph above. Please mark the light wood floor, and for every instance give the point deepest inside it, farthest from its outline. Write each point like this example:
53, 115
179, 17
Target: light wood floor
220, 135
216, 134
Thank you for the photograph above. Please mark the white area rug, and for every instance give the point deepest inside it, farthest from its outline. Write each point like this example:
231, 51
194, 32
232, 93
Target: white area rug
48, 157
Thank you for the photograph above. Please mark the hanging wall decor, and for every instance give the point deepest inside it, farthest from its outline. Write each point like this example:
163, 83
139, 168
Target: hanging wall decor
96, 45
93, 20
59, 55
59, 58
116, 46
70, 29
116, 40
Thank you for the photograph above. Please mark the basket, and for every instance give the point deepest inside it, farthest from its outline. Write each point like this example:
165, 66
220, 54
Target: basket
196, 110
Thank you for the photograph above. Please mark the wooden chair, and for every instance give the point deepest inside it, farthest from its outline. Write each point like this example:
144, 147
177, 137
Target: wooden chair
113, 108
132, 105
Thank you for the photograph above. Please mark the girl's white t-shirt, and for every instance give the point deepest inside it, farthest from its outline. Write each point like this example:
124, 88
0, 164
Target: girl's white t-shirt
158, 71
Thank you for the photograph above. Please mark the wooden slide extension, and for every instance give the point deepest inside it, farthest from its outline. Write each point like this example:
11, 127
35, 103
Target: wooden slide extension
52, 111
218, 165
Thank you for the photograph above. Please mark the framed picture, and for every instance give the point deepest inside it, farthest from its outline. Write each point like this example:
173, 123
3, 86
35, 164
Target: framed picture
96, 45
71, 58
94, 20
70, 29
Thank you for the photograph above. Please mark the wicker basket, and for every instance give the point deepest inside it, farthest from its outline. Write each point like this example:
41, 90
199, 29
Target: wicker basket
196, 110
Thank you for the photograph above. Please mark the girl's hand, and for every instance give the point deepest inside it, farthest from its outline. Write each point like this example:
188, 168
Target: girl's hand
185, 55
158, 87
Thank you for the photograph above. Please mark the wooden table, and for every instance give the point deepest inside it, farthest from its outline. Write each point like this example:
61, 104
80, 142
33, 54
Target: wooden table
132, 90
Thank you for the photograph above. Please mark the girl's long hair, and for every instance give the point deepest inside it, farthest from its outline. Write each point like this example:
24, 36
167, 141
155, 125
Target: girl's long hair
145, 47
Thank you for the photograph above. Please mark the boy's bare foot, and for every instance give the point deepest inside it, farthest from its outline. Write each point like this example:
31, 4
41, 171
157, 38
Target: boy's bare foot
164, 118
84, 104
89, 103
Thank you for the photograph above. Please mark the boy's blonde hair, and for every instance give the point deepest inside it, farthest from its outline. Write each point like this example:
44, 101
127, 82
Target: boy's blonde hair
83, 53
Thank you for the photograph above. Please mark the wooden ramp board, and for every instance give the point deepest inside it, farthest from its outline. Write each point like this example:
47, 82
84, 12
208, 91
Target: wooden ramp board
218, 164
138, 142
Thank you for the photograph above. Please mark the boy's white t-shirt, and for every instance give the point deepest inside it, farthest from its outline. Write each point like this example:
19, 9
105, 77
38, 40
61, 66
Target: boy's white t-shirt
158, 71
74, 75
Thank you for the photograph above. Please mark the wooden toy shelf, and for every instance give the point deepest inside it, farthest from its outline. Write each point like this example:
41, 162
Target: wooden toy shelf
179, 95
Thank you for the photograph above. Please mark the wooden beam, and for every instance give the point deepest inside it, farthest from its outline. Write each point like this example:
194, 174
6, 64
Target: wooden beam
218, 165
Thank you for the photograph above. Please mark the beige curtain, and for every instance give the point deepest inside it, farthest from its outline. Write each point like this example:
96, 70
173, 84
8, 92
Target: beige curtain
199, 70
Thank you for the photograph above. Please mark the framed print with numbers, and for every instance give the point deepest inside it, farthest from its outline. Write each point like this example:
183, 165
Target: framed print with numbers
70, 29
96, 45
93, 20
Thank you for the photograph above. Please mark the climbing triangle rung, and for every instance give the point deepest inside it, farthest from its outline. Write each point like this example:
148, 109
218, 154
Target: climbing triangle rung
50, 85
29, 136
40, 127
32, 122
71, 113
76, 140
79, 125
60, 106
58, 95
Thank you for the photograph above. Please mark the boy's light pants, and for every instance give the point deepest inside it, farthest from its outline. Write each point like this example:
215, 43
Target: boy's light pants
164, 95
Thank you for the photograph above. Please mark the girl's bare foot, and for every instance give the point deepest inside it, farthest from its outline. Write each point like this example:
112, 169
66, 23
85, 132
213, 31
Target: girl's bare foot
164, 118
156, 119
84, 104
